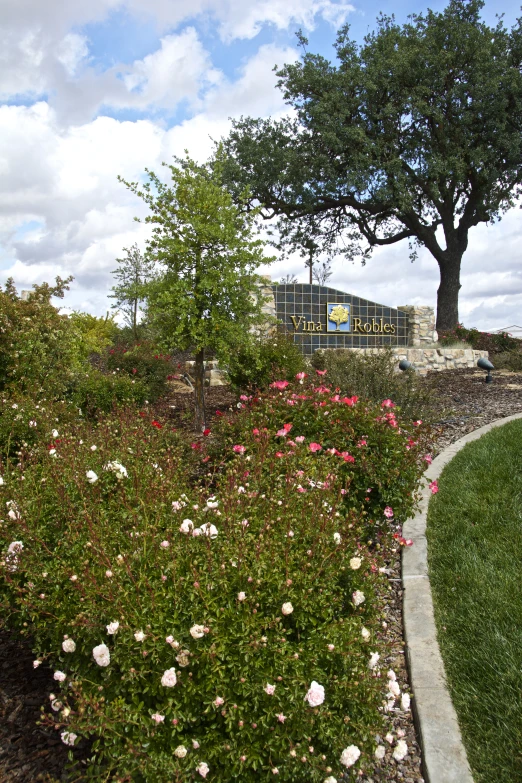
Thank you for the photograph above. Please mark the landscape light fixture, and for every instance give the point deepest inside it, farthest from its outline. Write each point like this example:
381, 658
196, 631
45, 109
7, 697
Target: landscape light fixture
404, 365
485, 364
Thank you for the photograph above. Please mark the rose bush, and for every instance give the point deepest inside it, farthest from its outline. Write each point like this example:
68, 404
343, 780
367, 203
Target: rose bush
222, 627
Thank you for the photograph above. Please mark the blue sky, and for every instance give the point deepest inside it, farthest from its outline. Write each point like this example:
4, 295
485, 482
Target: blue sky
92, 90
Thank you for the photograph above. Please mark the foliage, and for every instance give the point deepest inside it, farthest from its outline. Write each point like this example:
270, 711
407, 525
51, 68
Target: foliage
93, 334
38, 347
133, 274
375, 377
322, 273
475, 553
508, 360
198, 627
263, 359
142, 362
484, 341
205, 298
25, 422
95, 392
367, 438
413, 135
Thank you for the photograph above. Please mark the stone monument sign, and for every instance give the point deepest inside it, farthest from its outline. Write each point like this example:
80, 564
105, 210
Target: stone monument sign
323, 317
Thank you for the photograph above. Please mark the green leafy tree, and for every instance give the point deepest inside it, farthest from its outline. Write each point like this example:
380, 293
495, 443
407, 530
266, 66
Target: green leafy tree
416, 135
133, 274
93, 334
38, 347
206, 297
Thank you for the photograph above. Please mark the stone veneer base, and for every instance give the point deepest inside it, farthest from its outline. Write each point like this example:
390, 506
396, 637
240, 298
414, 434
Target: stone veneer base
425, 359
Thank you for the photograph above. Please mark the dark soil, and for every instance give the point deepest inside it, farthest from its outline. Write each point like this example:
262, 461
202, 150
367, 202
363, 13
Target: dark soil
31, 753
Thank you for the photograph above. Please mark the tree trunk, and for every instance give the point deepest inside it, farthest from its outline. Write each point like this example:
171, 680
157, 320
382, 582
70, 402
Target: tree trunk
135, 319
199, 390
448, 291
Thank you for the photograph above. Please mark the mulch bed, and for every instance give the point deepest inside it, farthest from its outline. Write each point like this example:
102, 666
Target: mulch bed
30, 753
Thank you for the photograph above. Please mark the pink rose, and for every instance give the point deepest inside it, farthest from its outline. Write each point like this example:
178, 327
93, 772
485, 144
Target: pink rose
315, 447
279, 385
269, 689
388, 512
239, 449
434, 487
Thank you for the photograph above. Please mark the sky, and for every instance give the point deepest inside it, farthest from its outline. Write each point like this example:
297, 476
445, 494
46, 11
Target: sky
93, 90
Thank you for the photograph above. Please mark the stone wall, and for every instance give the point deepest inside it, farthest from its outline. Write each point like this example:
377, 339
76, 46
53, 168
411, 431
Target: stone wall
437, 359
421, 323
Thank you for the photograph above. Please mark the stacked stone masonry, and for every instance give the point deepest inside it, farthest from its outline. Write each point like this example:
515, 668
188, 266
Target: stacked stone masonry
433, 359
421, 325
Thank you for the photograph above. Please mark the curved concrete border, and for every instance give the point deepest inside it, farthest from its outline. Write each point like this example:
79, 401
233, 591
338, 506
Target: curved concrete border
443, 755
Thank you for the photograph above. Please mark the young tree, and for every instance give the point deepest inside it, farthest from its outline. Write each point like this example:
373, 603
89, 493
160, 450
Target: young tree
133, 274
206, 297
414, 135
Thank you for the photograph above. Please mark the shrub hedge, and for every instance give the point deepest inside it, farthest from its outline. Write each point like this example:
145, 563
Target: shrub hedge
225, 628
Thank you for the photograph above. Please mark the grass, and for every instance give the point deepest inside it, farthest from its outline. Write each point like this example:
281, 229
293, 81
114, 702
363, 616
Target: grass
475, 562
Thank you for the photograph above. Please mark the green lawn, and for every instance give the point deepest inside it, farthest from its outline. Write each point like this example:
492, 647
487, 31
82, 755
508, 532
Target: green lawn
475, 562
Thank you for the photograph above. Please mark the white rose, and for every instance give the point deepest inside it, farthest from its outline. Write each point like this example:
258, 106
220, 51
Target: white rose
169, 678
358, 597
197, 631
401, 750
374, 658
380, 752
59, 676
55, 433
394, 688
365, 634
112, 628
337, 538
355, 563
287, 608
68, 646
139, 636
405, 702
68, 737
350, 755
91, 476
208, 530
241, 596
315, 695
186, 526
102, 655
180, 752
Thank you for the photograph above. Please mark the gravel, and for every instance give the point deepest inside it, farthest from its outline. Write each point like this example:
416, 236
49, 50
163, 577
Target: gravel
30, 753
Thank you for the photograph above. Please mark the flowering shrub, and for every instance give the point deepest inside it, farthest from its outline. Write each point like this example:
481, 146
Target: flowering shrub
375, 377
38, 352
371, 448
142, 362
224, 628
260, 360
25, 423
95, 393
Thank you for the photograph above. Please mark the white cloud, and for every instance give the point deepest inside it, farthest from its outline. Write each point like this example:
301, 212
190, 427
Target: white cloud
71, 50
254, 91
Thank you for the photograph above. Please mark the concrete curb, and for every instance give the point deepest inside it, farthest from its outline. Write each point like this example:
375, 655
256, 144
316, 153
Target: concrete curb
443, 755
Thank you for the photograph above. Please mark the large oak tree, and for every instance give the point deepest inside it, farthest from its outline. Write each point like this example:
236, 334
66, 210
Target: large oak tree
416, 135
